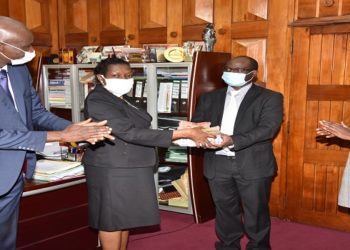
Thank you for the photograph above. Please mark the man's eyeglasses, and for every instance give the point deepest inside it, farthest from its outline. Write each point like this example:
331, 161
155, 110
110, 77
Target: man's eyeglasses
237, 70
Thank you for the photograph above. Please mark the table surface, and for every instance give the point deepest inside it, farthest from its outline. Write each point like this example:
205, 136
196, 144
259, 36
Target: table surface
33, 186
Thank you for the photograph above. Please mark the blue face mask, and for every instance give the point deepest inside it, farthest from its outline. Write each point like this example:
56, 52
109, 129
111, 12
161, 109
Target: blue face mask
235, 79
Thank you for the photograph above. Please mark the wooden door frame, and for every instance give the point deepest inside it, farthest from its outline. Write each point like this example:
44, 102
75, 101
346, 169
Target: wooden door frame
300, 91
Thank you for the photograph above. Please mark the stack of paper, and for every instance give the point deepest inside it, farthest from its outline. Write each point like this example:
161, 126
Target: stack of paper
49, 170
53, 151
176, 155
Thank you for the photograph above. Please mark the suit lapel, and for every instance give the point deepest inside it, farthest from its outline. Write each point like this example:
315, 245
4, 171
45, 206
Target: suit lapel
18, 92
251, 95
221, 105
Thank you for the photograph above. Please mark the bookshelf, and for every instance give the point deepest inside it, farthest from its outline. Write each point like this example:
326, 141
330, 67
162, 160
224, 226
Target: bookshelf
171, 85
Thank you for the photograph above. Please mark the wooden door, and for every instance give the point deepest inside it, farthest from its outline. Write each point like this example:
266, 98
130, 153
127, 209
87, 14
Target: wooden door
206, 76
320, 89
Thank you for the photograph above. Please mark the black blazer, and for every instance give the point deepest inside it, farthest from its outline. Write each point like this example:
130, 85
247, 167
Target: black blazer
258, 120
135, 142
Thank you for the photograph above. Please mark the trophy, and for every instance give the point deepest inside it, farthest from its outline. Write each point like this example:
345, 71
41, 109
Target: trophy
208, 36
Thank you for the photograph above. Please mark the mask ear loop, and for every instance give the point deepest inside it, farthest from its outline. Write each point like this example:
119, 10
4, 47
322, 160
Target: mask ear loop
101, 80
251, 77
14, 47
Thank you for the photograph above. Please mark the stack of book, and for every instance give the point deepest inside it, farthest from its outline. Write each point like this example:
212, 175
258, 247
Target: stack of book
53, 170
59, 93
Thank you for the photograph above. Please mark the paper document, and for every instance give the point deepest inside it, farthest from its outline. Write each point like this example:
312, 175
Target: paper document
51, 167
53, 150
70, 173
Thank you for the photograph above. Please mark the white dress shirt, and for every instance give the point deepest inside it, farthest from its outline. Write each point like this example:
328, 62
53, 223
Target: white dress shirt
233, 100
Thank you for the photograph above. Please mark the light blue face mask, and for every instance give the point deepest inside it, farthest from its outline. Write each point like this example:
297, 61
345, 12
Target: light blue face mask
235, 79
28, 56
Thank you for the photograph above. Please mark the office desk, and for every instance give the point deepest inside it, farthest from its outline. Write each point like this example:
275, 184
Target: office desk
54, 216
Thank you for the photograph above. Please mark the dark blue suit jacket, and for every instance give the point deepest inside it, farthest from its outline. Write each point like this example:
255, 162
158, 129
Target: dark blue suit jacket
258, 119
18, 139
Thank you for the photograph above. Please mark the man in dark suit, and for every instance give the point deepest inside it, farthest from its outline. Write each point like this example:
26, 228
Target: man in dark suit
240, 173
21, 112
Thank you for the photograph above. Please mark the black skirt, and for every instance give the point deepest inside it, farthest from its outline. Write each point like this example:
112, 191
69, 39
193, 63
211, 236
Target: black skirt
121, 198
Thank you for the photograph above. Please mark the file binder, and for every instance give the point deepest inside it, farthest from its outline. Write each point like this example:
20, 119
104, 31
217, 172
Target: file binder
175, 104
184, 96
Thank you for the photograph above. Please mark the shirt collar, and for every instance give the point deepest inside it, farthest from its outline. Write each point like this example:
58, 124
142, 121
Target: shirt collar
241, 91
5, 68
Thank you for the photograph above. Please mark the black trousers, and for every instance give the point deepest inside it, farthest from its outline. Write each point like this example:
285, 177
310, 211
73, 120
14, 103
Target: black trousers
242, 207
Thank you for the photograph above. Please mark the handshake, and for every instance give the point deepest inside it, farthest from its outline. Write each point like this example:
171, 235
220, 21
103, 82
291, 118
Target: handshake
202, 135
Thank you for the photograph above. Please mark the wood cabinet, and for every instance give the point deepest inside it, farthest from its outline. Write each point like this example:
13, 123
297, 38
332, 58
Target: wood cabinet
206, 76
55, 216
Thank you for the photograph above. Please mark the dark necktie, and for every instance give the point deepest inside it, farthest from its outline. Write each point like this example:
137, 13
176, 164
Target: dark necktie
4, 84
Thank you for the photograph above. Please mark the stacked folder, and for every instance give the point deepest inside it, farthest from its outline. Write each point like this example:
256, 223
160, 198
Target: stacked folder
173, 186
52, 170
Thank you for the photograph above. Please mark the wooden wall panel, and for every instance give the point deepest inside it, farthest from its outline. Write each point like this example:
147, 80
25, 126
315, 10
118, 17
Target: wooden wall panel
249, 10
308, 187
76, 14
345, 8
321, 8
17, 10
339, 61
132, 22
4, 10
174, 22
73, 23
197, 12
306, 8
153, 14
255, 48
153, 21
222, 20
320, 188
33, 13
329, 8
94, 22
112, 30
332, 177
112, 15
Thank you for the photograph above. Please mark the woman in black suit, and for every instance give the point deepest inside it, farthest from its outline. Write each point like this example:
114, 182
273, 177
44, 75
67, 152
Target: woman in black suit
119, 173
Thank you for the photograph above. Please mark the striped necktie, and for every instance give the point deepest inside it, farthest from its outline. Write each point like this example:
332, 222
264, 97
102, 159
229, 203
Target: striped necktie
4, 84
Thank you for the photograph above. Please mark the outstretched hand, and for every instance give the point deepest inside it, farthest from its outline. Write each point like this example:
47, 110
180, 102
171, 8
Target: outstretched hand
201, 137
333, 129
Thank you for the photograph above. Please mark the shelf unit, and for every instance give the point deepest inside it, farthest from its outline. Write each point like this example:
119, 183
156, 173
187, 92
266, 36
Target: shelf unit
170, 83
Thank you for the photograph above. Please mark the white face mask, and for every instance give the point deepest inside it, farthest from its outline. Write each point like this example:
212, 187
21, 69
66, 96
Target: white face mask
119, 87
28, 56
235, 79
